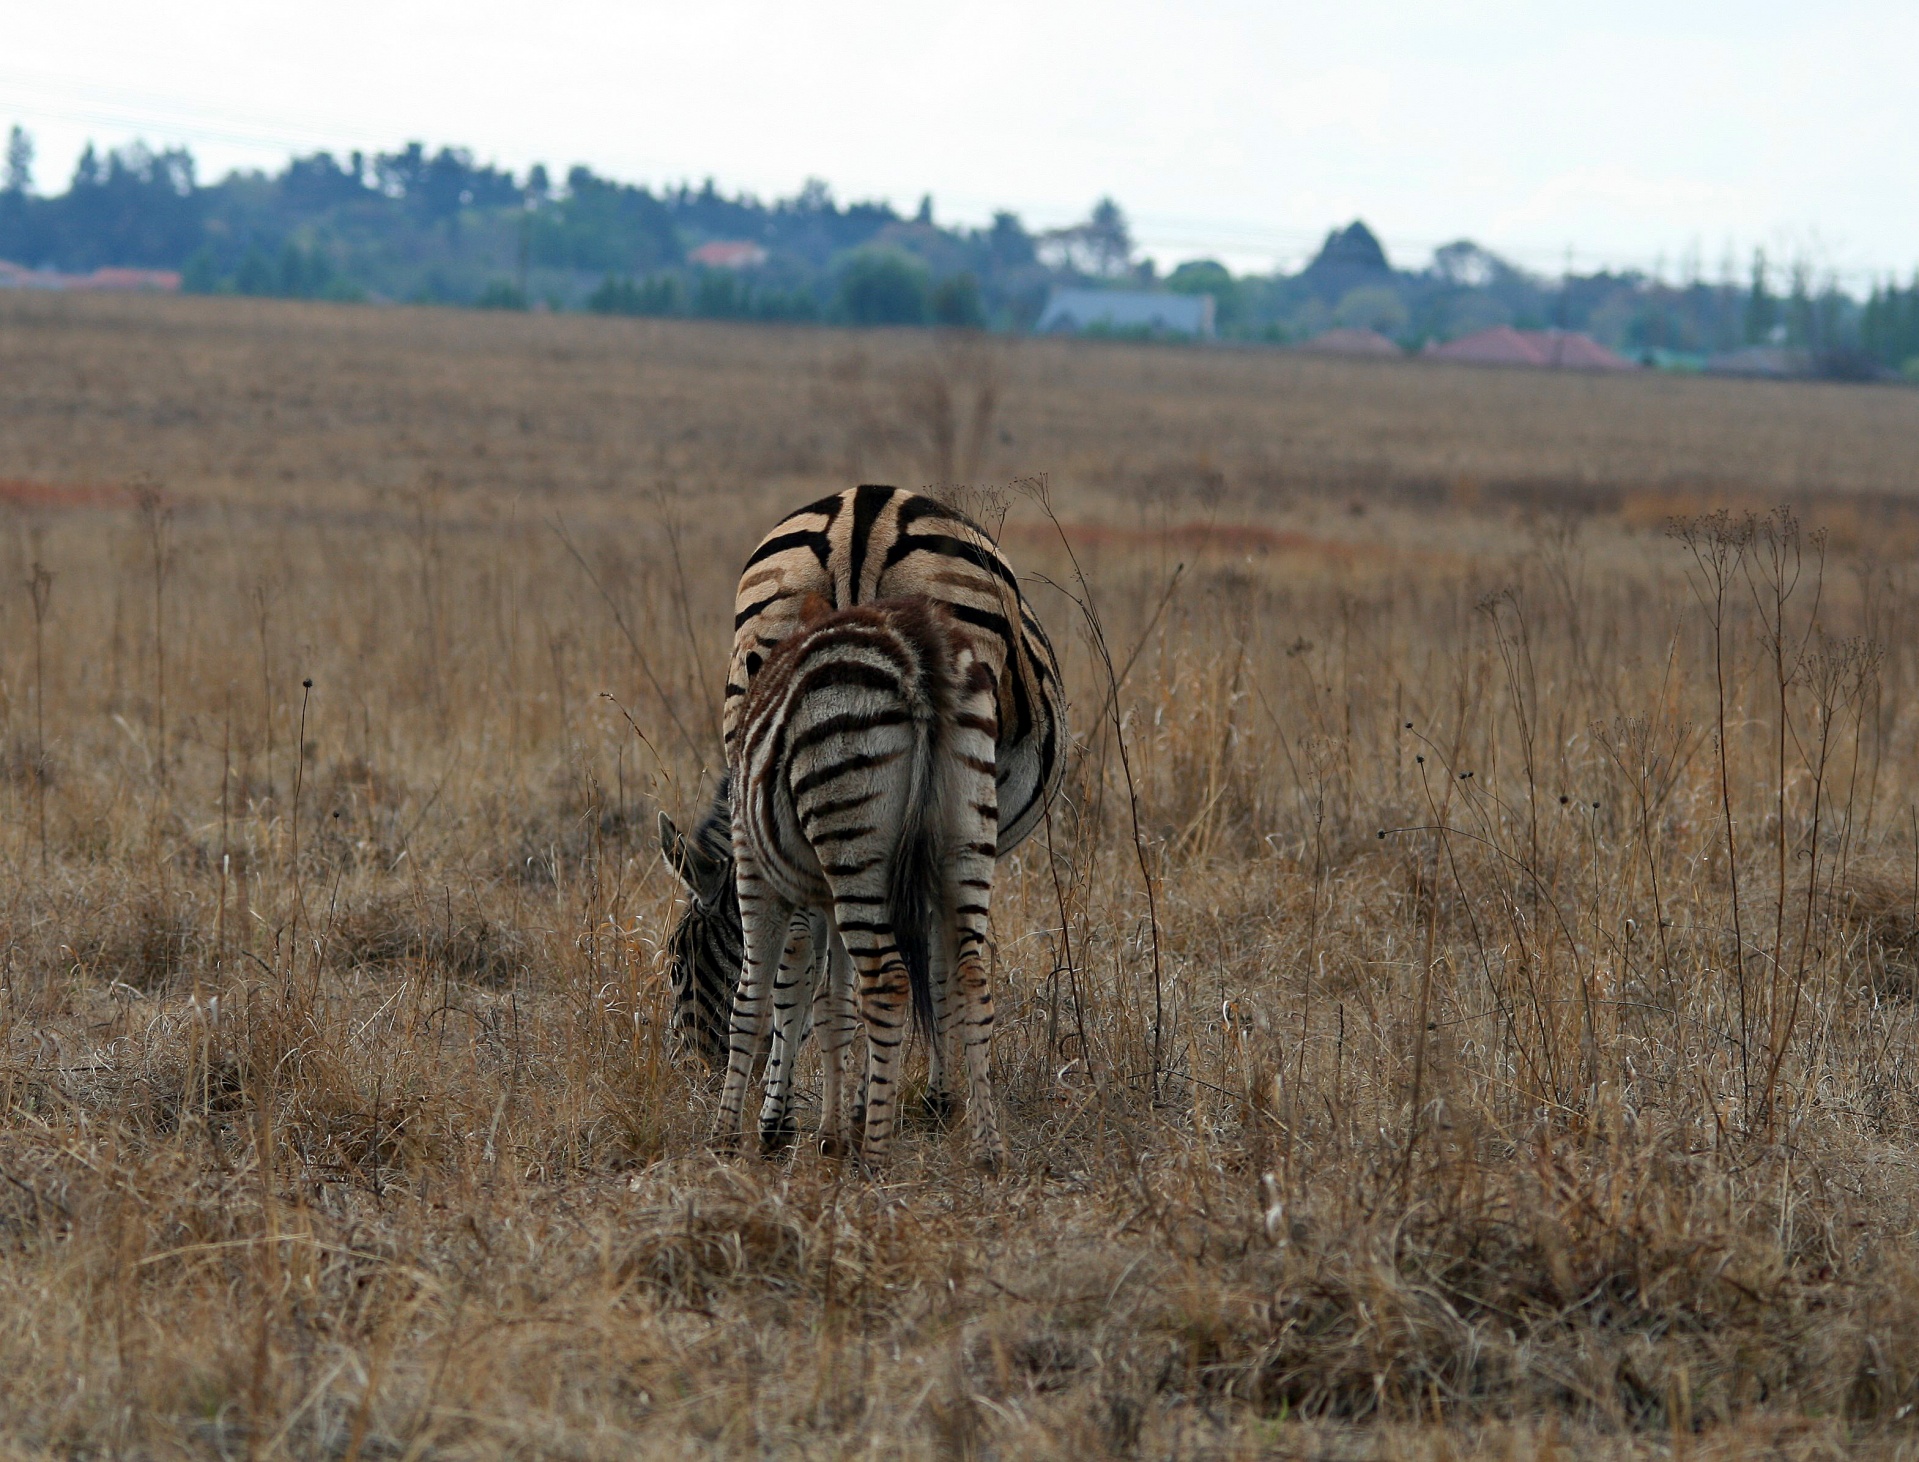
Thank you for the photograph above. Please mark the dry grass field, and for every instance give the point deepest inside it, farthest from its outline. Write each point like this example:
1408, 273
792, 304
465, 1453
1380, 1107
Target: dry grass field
1465, 1001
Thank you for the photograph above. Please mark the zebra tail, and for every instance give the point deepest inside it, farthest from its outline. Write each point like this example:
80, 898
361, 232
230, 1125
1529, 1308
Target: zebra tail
918, 879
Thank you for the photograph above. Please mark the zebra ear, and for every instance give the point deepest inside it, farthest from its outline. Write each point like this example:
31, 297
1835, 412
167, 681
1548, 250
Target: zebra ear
679, 857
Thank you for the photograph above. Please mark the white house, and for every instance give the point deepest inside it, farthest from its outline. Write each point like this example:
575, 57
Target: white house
1070, 311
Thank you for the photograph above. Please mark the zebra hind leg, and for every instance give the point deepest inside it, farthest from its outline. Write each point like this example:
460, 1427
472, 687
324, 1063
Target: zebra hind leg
792, 1003
763, 918
839, 1024
967, 927
976, 1027
884, 1003
941, 1102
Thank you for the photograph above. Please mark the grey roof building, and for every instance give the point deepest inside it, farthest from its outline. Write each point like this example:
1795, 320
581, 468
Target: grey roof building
1778, 362
1071, 311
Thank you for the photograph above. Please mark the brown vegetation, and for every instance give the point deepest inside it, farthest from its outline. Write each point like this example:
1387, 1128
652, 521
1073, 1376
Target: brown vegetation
1391, 1059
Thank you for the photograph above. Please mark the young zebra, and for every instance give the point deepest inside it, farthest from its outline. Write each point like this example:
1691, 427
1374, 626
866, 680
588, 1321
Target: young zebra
866, 793
854, 547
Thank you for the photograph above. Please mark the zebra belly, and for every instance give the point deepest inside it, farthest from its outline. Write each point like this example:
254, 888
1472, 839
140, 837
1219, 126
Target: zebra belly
1022, 801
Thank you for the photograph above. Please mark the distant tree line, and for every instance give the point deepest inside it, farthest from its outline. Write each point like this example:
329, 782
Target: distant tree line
1889, 324
440, 227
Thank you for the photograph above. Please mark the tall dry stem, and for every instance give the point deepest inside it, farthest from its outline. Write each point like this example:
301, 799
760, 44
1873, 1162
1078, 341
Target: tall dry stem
1089, 610
1718, 546
40, 589
156, 522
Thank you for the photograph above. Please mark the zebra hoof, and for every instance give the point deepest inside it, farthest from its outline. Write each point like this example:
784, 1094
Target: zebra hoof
778, 1136
991, 1161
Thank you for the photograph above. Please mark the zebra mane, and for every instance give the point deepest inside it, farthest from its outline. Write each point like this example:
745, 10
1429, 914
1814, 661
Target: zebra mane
712, 839
703, 949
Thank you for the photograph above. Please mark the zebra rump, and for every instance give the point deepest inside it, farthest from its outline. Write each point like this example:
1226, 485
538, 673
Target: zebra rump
865, 792
828, 689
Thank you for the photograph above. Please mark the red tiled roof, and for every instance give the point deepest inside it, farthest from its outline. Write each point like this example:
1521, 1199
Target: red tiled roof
1576, 352
164, 280
1542, 349
728, 254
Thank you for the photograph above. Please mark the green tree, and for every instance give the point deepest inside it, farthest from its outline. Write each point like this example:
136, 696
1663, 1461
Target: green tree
19, 176
1103, 245
1372, 307
501, 294
785, 304
201, 272
1008, 243
304, 273
882, 287
1762, 310
956, 302
1209, 276
1109, 237
619, 295
256, 275
1877, 322
1907, 329
720, 294
1802, 321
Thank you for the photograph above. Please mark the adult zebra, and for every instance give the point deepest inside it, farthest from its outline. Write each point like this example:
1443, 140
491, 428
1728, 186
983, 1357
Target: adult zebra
865, 791
863, 544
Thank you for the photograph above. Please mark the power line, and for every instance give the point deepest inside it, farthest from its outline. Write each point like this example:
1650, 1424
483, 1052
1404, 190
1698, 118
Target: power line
112, 106
68, 99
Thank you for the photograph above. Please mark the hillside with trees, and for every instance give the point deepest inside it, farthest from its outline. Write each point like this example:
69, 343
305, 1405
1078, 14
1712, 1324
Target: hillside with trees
440, 227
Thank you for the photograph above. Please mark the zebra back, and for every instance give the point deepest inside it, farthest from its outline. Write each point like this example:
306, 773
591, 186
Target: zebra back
874, 542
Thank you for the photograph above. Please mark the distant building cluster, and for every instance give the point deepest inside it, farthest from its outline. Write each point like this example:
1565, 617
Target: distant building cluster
1127, 312
1555, 350
119, 281
1498, 345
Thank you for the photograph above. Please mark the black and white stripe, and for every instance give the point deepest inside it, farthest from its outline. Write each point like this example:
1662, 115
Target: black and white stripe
866, 792
865, 544
706, 943
875, 542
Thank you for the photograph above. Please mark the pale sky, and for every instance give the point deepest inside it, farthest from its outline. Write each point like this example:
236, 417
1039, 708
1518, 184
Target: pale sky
1632, 132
